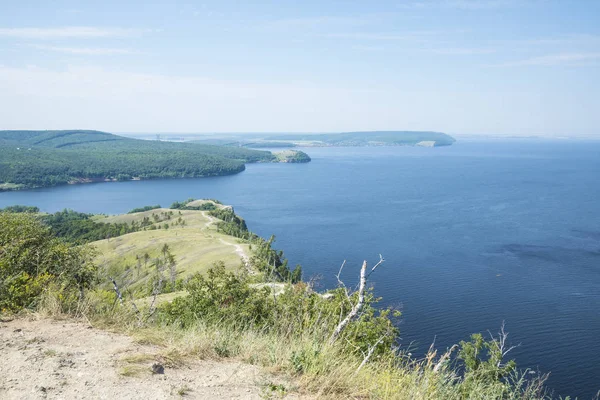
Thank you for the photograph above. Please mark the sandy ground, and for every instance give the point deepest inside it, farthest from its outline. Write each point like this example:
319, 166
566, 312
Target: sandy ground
48, 359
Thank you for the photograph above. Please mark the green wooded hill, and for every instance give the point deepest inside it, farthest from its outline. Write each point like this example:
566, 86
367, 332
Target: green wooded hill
370, 138
364, 138
47, 158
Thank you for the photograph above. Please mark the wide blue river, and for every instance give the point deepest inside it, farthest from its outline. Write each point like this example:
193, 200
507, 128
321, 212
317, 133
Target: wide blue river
473, 235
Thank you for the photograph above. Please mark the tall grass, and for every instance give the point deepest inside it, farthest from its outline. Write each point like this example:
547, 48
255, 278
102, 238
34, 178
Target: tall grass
323, 370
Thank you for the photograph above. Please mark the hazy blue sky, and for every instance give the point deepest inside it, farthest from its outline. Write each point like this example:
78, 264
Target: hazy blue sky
459, 66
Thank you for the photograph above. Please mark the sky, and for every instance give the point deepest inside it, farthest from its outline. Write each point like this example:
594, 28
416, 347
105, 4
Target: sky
481, 67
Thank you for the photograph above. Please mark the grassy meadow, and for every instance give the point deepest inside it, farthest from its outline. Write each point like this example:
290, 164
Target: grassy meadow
191, 236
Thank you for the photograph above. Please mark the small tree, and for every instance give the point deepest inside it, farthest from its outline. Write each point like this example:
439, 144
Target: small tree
484, 360
31, 259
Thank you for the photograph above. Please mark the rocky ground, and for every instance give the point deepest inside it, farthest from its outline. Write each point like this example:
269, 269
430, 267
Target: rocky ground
49, 359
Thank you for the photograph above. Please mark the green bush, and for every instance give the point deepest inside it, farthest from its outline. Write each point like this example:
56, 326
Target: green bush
20, 208
220, 296
483, 361
142, 209
228, 299
31, 259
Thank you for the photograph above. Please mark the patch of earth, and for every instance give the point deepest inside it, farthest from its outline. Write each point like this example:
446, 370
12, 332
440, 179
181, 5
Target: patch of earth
50, 359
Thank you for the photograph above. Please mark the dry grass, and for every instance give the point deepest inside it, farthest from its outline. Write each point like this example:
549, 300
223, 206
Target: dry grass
133, 370
310, 365
196, 245
323, 371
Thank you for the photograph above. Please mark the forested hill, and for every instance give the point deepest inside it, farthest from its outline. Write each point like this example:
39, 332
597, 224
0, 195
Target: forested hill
357, 139
47, 158
370, 138
56, 139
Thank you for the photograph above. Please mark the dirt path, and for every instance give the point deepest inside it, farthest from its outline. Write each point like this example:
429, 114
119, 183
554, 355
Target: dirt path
238, 250
47, 359
211, 219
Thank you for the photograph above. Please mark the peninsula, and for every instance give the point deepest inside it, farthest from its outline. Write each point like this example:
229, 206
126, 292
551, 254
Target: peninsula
355, 139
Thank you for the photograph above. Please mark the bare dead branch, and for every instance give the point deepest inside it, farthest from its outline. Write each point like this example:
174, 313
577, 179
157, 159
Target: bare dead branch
444, 358
117, 291
357, 308
371, 351
341, 283
381, 261
155, 292
501, 345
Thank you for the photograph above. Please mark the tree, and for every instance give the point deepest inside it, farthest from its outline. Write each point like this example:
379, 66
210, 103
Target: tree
360, 302
31, 259
484, 360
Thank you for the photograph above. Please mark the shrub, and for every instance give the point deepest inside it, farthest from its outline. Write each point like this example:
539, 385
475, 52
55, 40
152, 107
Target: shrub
21, 209
145, 208
31, 259
227, 299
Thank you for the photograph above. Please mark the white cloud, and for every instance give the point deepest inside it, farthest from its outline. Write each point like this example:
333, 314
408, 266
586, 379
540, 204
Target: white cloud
69, 32
564, 59
86, 50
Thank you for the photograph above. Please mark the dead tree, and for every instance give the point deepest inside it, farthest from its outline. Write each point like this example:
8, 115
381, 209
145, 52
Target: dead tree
156, 290
501, 347
357, 308
117, 291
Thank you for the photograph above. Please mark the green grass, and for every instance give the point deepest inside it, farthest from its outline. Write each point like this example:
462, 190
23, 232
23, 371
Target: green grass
196, 245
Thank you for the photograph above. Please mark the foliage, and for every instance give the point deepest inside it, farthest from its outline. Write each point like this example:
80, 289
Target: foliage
142, 209
292, 156
228, 298
20, 209
388, 138
31, 258
483, 359
184, 205
47, 158
231, 224
221, 296
77, 227
270, 262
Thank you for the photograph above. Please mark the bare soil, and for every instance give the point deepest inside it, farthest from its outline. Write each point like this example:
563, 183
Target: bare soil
50, 359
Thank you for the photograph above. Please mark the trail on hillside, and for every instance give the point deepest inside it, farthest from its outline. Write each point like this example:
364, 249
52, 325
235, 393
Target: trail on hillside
238, 250
47, 359
211, 219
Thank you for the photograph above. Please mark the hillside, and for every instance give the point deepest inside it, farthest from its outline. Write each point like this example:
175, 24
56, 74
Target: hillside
186, 302
292, 156
368, 138
357, 139
46, 158
192, 238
